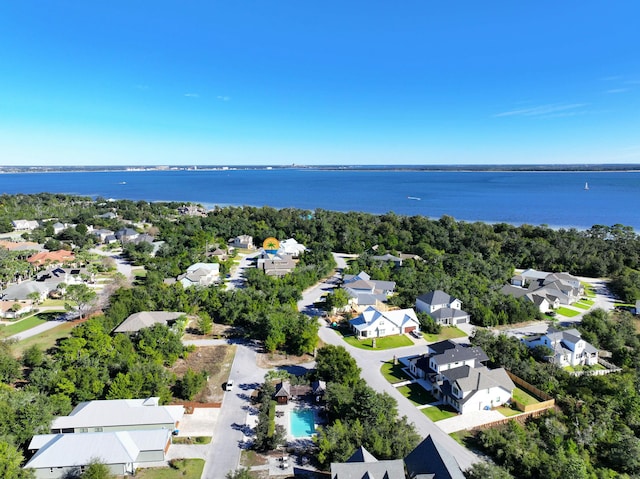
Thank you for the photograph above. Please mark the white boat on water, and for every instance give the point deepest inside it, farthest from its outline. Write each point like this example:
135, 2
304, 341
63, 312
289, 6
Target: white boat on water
586, 185
413, 198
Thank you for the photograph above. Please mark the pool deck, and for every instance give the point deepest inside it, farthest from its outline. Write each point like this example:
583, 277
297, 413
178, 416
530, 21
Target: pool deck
283, 418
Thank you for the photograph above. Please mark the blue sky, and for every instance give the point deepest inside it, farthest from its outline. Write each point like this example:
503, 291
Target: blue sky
304, 82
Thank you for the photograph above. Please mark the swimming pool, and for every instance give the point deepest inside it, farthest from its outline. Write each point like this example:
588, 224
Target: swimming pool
302, 423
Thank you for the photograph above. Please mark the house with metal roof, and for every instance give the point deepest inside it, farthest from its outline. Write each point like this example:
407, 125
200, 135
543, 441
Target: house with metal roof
200, 274
59, 455
567, 347
373, 323
546, 290
119, 415
442, 307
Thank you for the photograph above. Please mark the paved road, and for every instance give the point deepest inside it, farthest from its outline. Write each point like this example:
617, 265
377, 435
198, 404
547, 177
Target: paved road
236, 278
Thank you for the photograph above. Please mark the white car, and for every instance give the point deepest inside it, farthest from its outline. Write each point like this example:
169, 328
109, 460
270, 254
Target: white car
229, 385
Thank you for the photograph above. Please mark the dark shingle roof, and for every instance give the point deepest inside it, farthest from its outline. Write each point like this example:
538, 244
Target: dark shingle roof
431, 457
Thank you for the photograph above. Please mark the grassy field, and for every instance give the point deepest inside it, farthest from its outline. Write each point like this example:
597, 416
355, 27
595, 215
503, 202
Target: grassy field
523, 397
386, 342
569, 313
20, 326
191, 440
416, 394
393, 372
588, 290
507, 411
181, 469
44, 340
438, 413
448, 332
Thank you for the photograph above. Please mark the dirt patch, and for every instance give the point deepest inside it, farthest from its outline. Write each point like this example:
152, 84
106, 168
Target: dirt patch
273, 360
216, 361
218, 331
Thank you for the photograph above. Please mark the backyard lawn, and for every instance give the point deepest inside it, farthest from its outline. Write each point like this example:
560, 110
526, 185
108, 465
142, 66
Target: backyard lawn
416, 394
507, 411
523, 397
587, 301
393, 372
448, 332
569, 313
588, 290
580, 305
20, 326
438, 413
180, 469
386, 342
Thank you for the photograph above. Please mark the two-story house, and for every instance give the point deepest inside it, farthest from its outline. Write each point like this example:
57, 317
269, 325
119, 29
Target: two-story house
374, 324
567, 347
442, 307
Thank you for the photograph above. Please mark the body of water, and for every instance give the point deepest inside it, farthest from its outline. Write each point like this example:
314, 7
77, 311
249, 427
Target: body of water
557, 199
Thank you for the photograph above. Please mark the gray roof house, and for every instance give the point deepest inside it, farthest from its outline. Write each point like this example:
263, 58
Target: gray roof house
119, 415
431, 460
363, 465
546, 290
442, 307
21, 291
24, 225
568, 348
57, 455
200, 274
365, 291
146, 319
126, 234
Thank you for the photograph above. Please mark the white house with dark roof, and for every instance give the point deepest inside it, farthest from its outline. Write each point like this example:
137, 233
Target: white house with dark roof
57, 455
443, 308
546, 290
460, 378
119, 415
568, 348
375, 324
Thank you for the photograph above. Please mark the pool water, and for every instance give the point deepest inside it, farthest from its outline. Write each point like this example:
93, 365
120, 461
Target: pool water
302, 423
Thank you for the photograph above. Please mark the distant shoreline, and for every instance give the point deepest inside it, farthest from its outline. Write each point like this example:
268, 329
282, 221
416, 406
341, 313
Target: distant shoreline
449, 168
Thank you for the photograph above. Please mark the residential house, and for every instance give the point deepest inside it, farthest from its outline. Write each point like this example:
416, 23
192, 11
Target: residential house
54, 276
363, 465
126, 235
192, 210
363, 291
51, 257
276, 265
105, 236
242, 241
292, 247
375, 324
108, 216
460, 378
432, 460
200, 274
23, 291
397, 261
61, 455
13, 309
443, 308
567, 347
546, 290
58, 227
24, 225
21, 245
146, 319
118, 415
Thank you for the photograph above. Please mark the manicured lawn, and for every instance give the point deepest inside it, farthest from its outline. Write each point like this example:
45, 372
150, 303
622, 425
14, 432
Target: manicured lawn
438, 413
59, 303
44, 340
191, 440
595, 367
393, 372
588, 290
523, 397
20, 326
507, 411
180, 469
416, 394
569, 313
386, 342
580, 305
587, 301
448, 332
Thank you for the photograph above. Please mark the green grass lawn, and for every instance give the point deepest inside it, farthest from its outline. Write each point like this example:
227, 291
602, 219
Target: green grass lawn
587, 301
393, 372
523, 397
507, 411
58, 303
588, 290
44, 340
581, 305
438, 413
595, 367
191, 440
448, 332
569, 313
180, 469
386, 342
20, 326
416, 394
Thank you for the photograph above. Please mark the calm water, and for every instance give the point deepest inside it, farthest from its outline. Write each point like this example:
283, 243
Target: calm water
302, 423
557, 199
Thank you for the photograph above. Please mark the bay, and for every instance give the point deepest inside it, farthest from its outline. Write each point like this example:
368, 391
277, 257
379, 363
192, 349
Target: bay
556, 199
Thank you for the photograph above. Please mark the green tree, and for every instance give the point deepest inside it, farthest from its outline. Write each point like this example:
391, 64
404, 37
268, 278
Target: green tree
81, 298
242, 473
205, 323
486, 470
96, 470
335, 364
11, 461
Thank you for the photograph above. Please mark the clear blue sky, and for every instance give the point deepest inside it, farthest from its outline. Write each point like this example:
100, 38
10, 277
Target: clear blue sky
309, 82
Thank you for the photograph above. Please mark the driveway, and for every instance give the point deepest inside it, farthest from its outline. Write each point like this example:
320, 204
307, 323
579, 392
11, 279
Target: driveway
236, 277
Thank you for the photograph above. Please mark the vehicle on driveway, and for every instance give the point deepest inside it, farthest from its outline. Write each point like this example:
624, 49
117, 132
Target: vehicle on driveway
229, 385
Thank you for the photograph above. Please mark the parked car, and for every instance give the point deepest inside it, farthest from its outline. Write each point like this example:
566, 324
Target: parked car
229, 385
416, 334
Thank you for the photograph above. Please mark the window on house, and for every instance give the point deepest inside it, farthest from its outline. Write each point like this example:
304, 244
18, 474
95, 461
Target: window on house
84, 429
